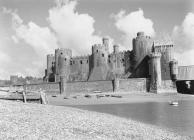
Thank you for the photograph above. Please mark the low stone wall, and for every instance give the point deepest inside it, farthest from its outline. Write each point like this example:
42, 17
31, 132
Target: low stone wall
84, 87
89, 87
50, 88
133, 85
125, 85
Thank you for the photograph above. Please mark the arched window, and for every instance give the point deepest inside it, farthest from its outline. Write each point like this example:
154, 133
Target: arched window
81, 62
102, 55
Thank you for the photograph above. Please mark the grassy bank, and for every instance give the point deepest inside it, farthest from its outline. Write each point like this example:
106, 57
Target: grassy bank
35, 121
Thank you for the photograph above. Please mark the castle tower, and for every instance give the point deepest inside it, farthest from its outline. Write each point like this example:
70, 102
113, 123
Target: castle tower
166, 50
173, 69
116, 49
155, 72
62, 61
142, 46
63, 65
50, 63
100, 61
105, 42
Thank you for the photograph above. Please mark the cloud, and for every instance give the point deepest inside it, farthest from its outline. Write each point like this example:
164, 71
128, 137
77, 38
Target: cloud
131, 23
41, 39
23, 47
66, 28
183, 37
15, 39
74, 30
4, 58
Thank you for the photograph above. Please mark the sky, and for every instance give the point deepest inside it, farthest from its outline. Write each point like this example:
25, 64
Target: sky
31, 29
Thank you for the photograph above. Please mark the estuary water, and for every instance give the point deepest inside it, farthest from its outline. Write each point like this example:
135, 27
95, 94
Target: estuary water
177, 118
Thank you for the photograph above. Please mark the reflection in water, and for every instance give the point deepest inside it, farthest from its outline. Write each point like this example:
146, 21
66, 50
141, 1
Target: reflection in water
179, 118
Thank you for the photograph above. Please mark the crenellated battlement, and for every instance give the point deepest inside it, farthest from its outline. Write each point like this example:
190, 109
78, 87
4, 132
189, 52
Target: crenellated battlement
81, 57
102, 65
50, 55
163, 43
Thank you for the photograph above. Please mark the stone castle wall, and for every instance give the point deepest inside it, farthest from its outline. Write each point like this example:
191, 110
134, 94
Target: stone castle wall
166, 56
84, 87
102, 65
79, 68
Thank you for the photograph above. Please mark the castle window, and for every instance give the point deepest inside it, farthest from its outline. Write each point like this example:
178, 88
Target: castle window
87, 61
96, 50
81, 62
123, 60
65, 59
102, 55
61, 53
109, 61
70, 62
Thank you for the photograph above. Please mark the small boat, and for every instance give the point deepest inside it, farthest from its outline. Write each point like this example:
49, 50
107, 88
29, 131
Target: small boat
174, 103
117, 96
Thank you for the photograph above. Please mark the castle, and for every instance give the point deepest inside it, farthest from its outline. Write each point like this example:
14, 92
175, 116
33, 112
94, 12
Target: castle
147, 59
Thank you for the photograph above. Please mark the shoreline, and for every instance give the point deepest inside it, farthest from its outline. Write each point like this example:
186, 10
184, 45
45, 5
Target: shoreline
125, 98
33, 121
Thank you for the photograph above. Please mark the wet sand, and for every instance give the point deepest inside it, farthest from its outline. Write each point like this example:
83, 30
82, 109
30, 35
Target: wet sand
125, 98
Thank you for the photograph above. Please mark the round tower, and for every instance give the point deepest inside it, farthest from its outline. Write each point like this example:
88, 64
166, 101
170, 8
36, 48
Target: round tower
100, 63
105, 42
50, 62
142, 46
155, 72
100, 55
173, 69
62, 62
116, 49
140, 34
169, 53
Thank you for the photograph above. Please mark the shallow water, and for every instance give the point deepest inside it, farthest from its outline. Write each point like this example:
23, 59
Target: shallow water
177, 118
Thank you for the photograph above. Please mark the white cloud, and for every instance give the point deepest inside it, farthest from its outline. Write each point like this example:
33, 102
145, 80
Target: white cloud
66, 27
183, 36
4, 59
74, 30
41, 39
28, 46
131, 23
15, 39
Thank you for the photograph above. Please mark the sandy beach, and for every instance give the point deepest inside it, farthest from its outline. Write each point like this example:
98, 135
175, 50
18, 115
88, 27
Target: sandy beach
36, 121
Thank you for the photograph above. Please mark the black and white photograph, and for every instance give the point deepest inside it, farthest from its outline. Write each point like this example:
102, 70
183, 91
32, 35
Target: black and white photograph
96, 70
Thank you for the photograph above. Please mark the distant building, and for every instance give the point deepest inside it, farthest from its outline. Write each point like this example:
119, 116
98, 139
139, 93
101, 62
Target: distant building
13, 79
16, 80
